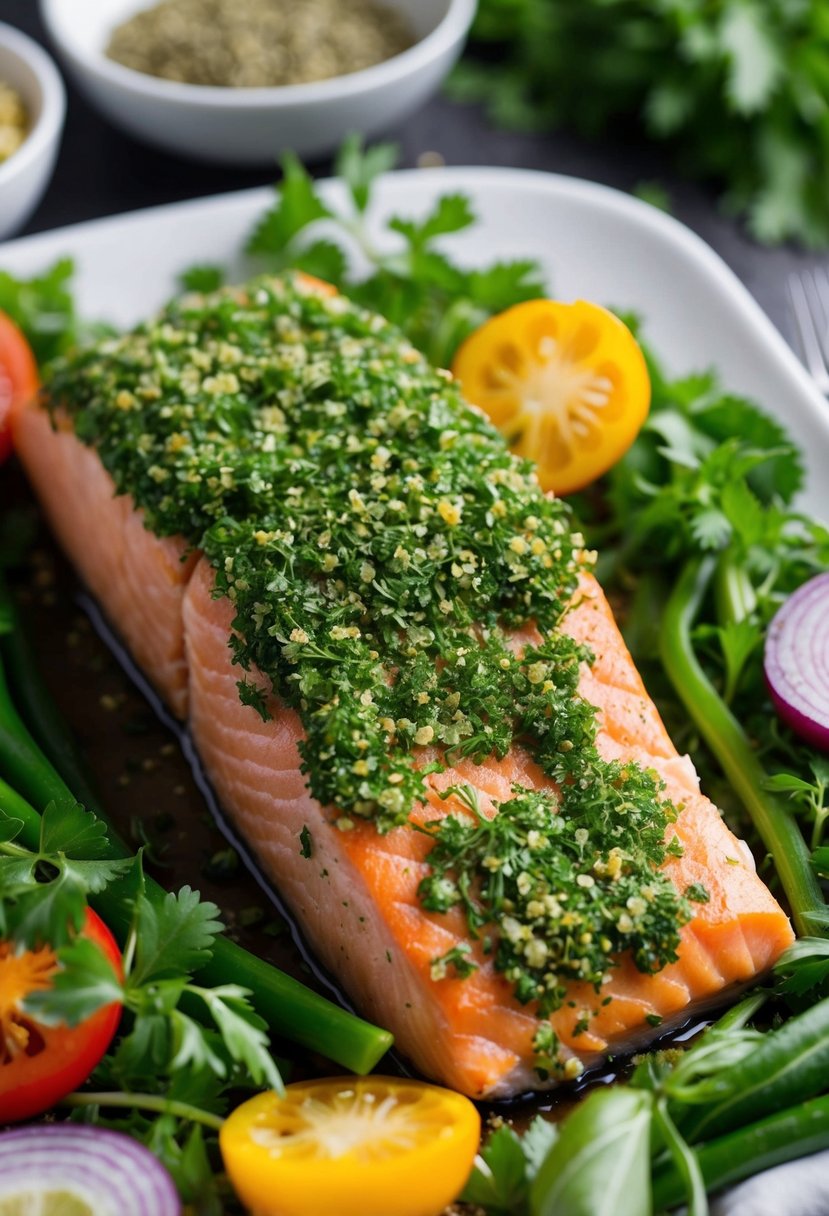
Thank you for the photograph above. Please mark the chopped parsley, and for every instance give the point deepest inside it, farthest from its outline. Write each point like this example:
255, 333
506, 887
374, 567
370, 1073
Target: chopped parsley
306, 844
380, 544
569, 883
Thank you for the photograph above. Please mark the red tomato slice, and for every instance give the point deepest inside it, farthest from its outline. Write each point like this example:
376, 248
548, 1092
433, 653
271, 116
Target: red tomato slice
18, 377
41, 1064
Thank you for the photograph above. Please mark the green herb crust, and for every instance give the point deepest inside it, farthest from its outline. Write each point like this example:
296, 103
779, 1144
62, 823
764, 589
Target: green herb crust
379, 544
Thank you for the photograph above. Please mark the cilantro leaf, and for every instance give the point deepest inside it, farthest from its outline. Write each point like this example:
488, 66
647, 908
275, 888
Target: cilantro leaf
73, 831
739, 641
43, 307
43, 894
498, 1182
360, 168
732, 88
754, 59
202, 278
417, 285
323, 259
243, 1032
451, 213
192, 1047
175, 936
143, 1052
505, 283
48, 912
724, 415
298, 205
803, 966
536, 1143
9, 828
84, 983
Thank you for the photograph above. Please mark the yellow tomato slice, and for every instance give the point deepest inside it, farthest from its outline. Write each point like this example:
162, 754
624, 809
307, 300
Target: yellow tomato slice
351, 1146
566, 384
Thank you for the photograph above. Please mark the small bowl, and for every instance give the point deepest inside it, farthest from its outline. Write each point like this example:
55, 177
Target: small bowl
252, 126
27, 172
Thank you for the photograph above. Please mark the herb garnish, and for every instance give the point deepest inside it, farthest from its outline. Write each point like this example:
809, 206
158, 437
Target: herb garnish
412, 281
379, 543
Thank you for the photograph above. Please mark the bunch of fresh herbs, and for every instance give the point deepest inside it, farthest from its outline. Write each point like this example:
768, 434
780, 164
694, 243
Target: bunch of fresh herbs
738, 89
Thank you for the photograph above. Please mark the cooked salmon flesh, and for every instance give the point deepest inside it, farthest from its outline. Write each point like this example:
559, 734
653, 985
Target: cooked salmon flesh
355, 894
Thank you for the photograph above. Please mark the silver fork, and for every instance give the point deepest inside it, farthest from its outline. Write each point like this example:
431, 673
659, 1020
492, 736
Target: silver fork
809, 297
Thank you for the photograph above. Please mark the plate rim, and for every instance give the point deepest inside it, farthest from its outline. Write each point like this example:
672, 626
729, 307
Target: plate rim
478, 178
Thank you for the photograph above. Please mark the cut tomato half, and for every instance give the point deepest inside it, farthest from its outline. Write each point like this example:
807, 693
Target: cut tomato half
18, 377
566, 384
40, 1064
357, 1146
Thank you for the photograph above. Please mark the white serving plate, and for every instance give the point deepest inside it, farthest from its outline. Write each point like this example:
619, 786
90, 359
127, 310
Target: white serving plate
591, 241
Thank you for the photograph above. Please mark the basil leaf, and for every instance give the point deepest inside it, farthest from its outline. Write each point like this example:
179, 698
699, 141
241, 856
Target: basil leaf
601, 1160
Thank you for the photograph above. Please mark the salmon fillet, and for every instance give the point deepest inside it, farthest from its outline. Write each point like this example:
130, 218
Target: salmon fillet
356, 895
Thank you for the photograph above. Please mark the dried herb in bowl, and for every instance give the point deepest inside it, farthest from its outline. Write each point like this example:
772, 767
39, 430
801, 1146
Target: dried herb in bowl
258, 43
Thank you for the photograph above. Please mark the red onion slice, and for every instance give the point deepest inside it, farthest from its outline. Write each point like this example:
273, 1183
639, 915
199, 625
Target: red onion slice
113, 1174
797, 661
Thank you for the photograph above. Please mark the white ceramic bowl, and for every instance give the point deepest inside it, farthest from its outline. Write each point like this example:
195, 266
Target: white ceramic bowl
26, 174
253, 126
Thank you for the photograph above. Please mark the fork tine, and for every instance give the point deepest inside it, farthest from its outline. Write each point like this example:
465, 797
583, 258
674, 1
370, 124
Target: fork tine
820, 282
807, 329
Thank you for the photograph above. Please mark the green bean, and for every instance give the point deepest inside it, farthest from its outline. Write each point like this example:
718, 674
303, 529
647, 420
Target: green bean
729, 743
787, 1066
782, 1137
37, 709
22, 762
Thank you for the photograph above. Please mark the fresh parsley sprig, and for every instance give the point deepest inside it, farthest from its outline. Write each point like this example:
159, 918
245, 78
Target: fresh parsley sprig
406, 276
43, 891
737, 88
167, 943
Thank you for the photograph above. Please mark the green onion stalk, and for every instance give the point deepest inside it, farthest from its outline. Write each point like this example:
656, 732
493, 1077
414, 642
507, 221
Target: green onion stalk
32, 780
728, 741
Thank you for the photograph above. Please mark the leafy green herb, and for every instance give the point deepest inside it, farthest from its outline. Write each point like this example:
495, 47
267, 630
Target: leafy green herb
712, 475
43, 892
804, 967
417, 285
44, 308
811, 795
600, 1160
499, 1181
202, 278
506, 1166
306, 844
735, 87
